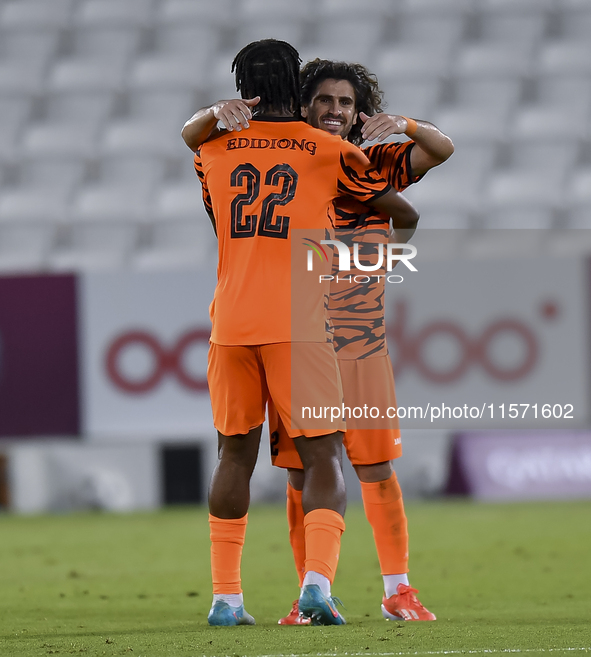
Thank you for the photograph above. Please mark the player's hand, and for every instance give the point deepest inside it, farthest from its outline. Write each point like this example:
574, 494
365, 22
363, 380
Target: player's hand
235, 114
380, 126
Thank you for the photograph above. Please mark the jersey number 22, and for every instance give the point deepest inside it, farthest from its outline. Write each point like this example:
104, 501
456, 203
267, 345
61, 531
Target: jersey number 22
269, 225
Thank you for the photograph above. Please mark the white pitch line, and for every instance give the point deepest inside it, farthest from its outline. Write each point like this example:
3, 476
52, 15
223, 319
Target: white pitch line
483, 651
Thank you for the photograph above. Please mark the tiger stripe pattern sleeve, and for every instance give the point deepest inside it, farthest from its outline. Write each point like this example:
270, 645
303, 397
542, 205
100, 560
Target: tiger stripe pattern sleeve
392, 160
357, 177
198, 163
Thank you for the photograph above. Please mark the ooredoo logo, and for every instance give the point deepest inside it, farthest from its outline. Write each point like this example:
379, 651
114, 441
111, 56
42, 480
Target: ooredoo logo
166, 361
477, 350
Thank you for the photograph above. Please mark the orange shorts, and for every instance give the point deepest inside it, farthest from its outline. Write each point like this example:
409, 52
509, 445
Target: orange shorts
297, 375
366, 383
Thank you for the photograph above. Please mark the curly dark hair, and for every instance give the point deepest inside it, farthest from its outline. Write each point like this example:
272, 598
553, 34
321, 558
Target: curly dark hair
269, 69
368, 96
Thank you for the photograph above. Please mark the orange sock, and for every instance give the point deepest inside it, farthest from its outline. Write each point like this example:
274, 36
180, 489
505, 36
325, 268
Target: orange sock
295, 522
382, 501
227, 540
323, 529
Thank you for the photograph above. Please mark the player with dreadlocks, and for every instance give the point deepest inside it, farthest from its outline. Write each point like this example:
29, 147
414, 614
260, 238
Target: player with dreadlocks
264, 193
344, 99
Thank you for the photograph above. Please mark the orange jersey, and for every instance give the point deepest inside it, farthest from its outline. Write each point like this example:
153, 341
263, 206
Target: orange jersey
268, 187
357, 309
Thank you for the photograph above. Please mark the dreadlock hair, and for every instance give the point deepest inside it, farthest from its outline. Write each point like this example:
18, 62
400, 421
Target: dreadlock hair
368, 96
269, 69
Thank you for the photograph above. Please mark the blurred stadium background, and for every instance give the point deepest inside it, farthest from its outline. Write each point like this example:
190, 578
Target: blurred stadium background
107, 259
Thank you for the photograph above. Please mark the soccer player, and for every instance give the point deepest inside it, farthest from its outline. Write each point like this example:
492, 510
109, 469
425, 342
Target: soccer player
259, 191
344, 99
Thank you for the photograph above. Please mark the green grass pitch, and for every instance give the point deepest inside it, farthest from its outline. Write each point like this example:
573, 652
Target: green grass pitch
514, 577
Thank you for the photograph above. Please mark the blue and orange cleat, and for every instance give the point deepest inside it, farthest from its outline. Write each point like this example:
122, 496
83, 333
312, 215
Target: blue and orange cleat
404, 605
321, 610
222, 614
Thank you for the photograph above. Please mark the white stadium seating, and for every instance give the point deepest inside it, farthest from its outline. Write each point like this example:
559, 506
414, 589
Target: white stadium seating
94, 93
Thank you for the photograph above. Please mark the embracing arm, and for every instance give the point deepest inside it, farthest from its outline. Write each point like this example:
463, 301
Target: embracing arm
234, 114
432, 147
404, 217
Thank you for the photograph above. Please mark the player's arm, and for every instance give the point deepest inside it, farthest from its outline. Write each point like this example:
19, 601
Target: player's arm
360, 180
432, 147
403, 215
234, 114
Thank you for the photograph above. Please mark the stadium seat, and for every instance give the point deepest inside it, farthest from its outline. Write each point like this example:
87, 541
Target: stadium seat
197, 41
276, 10
518, 218
177, 245
216, 14
129, 169
538, 120
269, 28
473, 125
151, 136
580, 217
565, 57
24, 247
571, 5
106, 43
517, 6
77, 74
162, 105
31, 45
508, 60
504, 243
40, 203
14, 111
415, 98
338, 8
555, 156
56, 173
114, 12
123, 190
564, 90
457, 184
524, 188
24, 57
169, 72
94, 247
511, 27
579, 190
35, 13
448, 218
222, 82
576, 23
445, 31
61, 138
17, 77
347, 39
43, 191
152, 123
71, 124
498, 94
412, 62
79, 107
106, 202
180, 200
436, 7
